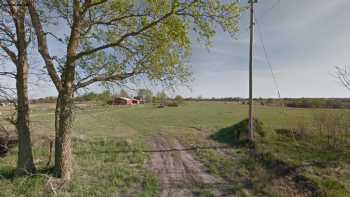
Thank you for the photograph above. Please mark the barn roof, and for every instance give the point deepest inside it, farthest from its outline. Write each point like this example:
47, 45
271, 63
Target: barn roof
124, 98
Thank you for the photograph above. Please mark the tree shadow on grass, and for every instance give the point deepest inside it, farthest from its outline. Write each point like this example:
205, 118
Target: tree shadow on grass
235, 135
238, 135
226, 136
9, 173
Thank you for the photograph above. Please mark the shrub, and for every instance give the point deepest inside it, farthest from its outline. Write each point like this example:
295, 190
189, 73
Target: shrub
179, 99
172, 104
334, 128
109, 102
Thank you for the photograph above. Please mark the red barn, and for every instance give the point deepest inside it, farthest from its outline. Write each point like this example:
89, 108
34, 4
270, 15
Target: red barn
122, 101
135, 101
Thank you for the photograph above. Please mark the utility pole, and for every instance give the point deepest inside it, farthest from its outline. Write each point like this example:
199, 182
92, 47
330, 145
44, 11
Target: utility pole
251, 122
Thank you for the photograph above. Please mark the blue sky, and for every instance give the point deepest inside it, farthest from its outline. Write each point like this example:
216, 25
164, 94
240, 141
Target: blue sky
304, 39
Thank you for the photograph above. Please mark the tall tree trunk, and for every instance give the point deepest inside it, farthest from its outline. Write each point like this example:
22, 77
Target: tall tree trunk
63, 141
25, 162
63, 154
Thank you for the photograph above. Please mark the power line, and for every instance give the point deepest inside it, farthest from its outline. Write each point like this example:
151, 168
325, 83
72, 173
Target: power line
267, 11
268, 59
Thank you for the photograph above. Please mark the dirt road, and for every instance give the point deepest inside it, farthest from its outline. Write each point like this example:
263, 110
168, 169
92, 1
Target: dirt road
179, 173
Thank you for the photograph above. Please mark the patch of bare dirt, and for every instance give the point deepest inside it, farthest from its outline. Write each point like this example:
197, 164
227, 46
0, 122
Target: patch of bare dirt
179, 173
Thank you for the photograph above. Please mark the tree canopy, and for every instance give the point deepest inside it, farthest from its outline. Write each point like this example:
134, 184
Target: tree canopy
120, 39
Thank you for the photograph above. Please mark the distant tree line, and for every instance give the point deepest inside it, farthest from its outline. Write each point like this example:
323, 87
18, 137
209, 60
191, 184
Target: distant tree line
49, 99
106, 97
338, 103
163, 99
226, 99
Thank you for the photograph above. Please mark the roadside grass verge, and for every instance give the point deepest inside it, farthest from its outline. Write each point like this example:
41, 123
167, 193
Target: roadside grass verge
103, 167
282, 164
245, 175
326, 168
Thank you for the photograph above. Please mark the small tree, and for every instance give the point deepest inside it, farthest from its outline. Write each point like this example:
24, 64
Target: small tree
123, 93
179, 99
162, 97
89, 96
105, 97
145, 94
155, 99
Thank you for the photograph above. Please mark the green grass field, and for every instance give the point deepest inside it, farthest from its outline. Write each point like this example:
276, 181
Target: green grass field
145, 120
110, 161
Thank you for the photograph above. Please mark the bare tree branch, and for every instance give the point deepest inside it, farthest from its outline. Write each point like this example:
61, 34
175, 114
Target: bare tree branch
87, 5
130, 34
343, 75
109, 78
42, 44
10, 53
10, 74
111, 21
7, 31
